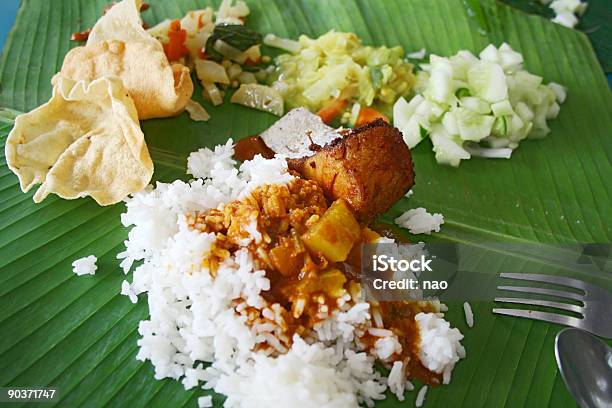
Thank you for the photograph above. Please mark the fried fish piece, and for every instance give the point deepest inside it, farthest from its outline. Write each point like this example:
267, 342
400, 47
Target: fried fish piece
370, 168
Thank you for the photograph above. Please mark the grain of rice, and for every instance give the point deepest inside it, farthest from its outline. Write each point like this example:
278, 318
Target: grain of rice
469, 315
299, 308
380, 332
205, 402
268, 313
420, 399
419, 221
127, 289
266, 327
85, 266
446, 375
378, 321
396, 380
273, 341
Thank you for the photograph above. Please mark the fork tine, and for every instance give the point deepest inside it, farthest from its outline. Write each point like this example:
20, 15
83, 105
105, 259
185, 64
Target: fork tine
536, 302
543, 291
557, 280
543, 316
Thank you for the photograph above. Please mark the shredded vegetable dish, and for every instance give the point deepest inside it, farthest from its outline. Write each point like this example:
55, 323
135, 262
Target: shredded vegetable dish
339, 77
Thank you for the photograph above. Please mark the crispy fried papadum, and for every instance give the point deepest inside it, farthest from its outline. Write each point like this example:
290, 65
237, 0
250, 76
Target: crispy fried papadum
86, 141
118, 45
120, 22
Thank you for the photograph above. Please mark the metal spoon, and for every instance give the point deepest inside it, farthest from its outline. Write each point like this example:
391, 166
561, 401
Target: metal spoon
585, 363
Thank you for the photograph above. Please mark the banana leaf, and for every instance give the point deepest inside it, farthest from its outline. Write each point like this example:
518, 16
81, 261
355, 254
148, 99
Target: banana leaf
595, 23
77, 334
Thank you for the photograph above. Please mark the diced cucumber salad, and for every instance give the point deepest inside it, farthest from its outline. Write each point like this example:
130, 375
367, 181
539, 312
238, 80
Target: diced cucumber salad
477, 106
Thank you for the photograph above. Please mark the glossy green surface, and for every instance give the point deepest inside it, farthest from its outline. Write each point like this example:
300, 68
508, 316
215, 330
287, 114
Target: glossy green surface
79, 334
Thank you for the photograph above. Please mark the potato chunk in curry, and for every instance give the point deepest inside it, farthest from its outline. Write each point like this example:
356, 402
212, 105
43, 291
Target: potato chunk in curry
334, 234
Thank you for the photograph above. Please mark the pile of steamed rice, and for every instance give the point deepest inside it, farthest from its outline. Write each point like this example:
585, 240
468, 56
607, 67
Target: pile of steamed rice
194, 333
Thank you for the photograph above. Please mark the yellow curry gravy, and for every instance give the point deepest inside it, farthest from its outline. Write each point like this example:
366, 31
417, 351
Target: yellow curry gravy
284, 213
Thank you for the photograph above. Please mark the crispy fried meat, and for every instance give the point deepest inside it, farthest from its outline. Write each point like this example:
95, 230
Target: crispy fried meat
370, 168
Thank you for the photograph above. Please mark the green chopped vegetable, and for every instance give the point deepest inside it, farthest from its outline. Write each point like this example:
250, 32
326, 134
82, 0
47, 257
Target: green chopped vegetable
502, 108
487, 80
377, 76
461, 92
472, 125
488, 100
235, 35
500, 127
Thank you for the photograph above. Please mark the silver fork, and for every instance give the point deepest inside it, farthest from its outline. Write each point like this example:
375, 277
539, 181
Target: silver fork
595, 312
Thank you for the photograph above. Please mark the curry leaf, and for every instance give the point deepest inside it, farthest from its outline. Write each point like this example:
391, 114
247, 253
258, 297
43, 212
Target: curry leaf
236, 35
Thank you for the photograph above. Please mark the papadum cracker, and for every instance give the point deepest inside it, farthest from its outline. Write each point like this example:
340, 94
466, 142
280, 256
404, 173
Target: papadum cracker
118, 45
120, 22
86, 141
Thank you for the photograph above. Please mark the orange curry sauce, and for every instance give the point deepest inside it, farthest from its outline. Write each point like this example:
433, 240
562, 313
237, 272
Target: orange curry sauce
305, 285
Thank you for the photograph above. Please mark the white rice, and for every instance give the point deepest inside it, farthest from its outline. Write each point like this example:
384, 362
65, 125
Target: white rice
396, 380
85, 266
420, 400
469, 315
385, 347
201, 163
127, 289
440, 346
380, 332
194, 318
205, 402
307, 376
420, 54
419, 221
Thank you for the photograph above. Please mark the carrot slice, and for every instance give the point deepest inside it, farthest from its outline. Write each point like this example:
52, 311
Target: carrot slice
175, 25
367, 115
330, 111
175, 48
251, 62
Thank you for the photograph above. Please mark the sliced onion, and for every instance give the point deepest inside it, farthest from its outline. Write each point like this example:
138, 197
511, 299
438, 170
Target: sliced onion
259, 97
230, 52
210, 71
196, 111
282, 43
247, 78
213, 93
489, 152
